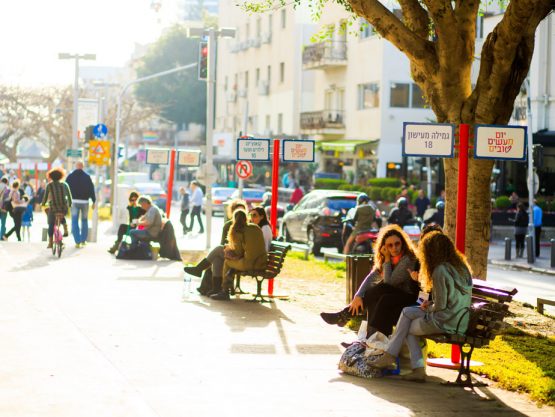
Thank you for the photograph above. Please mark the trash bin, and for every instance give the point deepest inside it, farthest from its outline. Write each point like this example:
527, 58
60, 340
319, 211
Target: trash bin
358, 267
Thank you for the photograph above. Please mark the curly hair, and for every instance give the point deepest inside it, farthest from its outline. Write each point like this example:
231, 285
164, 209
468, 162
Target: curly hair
407, 248
434, 249
56, 174
238, 226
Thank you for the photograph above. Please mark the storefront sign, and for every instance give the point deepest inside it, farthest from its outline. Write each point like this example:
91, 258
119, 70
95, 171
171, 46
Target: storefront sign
500, 142
428, 139
298, 150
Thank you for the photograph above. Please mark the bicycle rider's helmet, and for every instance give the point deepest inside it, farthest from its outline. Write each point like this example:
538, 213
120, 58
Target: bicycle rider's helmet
402, 202
440, 205
362, 199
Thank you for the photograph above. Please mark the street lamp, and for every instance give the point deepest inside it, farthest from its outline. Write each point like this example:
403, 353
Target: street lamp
213, 35
76, 57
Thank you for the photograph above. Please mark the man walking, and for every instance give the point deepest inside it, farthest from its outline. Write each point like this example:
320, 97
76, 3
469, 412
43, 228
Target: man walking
538, 214
82, 189
196, 203
184, 196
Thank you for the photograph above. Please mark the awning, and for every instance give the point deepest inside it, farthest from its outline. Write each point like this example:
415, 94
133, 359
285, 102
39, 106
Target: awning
343, 145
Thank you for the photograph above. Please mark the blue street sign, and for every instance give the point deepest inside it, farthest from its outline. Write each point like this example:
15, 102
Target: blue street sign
100, 130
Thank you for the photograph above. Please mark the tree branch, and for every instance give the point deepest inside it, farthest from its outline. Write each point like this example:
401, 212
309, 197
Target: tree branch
416, 18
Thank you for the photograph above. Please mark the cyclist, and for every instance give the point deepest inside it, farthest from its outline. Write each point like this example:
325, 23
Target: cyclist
363, 218
56, 200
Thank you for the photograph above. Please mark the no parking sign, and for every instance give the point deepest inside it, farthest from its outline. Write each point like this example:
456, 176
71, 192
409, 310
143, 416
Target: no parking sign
243, 169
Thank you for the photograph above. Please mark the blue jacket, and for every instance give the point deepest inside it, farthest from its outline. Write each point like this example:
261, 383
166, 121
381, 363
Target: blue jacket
81, 185
537, 215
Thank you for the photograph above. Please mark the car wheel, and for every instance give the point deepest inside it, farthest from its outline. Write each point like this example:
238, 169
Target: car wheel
315, 248
286, 233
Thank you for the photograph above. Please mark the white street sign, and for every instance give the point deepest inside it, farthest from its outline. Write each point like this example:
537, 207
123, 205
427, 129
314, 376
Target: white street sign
500, 142
158, 156
188, 158
428, 139
87, 114
298, 150
253, 149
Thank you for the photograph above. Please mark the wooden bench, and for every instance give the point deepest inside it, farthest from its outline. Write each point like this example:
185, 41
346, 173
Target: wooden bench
544, 301
489, 308
276, 257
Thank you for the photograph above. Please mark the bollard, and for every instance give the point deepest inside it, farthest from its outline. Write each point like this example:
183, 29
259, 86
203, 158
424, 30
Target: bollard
530, 249
552, 253
508, 244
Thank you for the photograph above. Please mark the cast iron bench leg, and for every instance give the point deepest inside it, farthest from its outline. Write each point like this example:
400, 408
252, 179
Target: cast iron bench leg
259, 292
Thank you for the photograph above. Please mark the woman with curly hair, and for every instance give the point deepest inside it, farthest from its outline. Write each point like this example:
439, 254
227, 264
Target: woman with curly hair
388, 288
446, 272
57, 200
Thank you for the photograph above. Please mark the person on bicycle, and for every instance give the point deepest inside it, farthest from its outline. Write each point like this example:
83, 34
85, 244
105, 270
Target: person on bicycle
363, 218
57, 200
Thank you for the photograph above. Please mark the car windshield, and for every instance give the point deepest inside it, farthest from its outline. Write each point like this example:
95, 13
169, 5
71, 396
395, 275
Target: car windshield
342, 204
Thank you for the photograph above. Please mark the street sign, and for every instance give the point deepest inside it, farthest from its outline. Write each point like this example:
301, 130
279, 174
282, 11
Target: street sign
100, 131
249, 149
99, 152
74, 153
428, 139
158, 156
87, 114
500, 142
298, 150
243, 169
188, 158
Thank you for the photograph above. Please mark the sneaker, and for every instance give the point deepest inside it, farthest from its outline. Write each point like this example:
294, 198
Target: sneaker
221, 296
417, 375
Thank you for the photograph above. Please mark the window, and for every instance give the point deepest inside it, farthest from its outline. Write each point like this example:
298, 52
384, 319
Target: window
246, 79
417, 101
282, 72
280, 123
225, 83
268, 122
368, 96
248, 31
269, 73
400, 95
283, 18
258, 27
366, 29
257, 76
270, 22
407, 96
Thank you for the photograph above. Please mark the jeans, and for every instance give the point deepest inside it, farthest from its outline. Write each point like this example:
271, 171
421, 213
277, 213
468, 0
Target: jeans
538, 235
183, 219
412, 324
17, 215
80, 235
137, 235
196, 213
52, 221
216, 258
3, 218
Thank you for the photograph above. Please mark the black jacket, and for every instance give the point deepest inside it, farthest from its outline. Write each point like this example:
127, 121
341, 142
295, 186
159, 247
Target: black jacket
81, 185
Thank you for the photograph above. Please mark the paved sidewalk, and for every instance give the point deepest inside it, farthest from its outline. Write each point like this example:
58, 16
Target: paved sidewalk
86, 335
542, 265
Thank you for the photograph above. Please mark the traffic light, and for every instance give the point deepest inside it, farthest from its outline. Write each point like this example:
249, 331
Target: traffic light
89, 135
203, 61
538, 156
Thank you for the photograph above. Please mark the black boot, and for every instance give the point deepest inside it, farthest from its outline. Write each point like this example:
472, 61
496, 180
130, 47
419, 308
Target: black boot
223, 295
206, 283
216, 286
341, 318
114, 247
199, 268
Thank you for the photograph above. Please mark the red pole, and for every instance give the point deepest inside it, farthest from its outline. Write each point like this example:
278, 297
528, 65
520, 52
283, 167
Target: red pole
36, 176
273, 211
462, 192
170, 183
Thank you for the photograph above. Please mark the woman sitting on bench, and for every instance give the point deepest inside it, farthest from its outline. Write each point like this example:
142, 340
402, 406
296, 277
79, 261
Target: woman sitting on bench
388, 288
446, 272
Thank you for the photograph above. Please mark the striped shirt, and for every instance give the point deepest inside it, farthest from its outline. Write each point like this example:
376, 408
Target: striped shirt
57, 196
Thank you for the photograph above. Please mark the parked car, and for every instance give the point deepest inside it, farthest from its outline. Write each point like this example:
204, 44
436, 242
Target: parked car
253, 196
219, 196
153, 190
317, 219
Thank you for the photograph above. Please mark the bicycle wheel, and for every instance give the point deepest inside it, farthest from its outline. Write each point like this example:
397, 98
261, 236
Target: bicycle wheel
59, 248
54, 244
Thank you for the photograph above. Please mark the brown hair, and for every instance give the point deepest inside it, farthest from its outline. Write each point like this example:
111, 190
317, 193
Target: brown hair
434, 249
56, 174
238, 226
407, 248
263, 216
235, 204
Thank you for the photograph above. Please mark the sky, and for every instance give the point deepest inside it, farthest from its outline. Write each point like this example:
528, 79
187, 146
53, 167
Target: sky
33, 32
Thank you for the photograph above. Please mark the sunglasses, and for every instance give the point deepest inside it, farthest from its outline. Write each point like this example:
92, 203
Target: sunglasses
394, 244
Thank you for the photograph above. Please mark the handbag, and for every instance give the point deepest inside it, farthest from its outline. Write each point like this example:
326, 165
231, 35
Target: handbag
354, 362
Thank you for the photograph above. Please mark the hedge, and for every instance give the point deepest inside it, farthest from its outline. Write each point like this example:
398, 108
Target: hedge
329, 183
384, 182
502, 203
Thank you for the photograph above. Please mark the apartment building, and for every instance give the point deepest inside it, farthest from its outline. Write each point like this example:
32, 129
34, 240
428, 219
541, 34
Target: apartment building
259, 75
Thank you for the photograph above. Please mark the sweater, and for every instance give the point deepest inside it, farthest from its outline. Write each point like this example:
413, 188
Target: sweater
81, 186
452, 295
398, 277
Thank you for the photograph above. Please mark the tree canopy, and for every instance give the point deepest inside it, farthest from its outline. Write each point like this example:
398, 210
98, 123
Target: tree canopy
439, 37
181, 97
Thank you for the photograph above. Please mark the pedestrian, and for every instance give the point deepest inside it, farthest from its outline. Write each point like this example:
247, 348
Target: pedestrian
297, 194
184, 196
57, 199
4, 200
422, 203
521, 225
538, 220
514, 200
18, 208
135, 212
196, 203
441, 196
82, 190
27, 219
149, 225
40, 193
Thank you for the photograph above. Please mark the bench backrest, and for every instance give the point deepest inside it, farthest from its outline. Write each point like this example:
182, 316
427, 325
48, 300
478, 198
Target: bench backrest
276, 257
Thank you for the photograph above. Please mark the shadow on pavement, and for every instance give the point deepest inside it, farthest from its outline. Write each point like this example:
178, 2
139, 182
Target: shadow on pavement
431, 398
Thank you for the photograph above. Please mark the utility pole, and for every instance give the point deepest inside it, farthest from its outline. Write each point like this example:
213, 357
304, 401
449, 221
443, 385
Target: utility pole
531, 185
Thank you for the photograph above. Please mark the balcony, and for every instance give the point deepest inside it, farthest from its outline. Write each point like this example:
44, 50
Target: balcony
323, 122
263, 88
267, 37
325, 55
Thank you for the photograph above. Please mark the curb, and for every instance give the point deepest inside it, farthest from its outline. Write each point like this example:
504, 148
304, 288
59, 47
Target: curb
523, 267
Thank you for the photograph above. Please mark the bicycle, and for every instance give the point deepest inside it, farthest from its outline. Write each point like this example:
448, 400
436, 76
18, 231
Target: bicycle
57, 244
